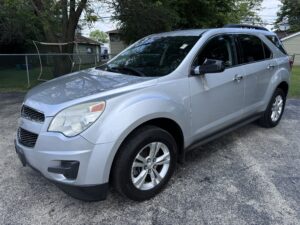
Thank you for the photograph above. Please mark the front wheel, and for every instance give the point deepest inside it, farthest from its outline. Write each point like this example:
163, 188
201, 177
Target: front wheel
145, 163
274, 111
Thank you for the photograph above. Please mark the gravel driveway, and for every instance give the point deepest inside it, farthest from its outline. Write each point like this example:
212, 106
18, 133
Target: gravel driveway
250, 176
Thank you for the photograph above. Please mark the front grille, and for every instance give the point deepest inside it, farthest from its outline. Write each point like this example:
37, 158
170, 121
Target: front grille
32, 114
27, 138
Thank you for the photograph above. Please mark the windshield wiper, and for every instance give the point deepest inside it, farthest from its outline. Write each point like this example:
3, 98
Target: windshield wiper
129, 69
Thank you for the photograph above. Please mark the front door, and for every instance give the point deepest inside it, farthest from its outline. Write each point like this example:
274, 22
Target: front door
216, 98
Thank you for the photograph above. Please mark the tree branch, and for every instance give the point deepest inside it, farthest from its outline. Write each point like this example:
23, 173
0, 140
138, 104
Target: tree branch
80, 8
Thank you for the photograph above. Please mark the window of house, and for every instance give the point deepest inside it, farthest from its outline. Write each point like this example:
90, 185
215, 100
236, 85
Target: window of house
89, 50
114, 37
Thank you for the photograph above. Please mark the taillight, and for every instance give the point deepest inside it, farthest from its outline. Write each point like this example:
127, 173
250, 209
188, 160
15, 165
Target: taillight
291, 60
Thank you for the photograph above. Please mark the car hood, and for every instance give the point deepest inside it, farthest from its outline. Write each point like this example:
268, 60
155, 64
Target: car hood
81, 86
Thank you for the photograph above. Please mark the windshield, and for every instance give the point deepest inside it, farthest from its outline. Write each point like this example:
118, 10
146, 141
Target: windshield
152, 56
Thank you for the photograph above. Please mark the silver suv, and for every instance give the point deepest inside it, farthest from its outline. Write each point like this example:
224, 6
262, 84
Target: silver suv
128, 122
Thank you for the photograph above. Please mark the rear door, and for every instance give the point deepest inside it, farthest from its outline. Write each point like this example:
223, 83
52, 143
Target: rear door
258, 66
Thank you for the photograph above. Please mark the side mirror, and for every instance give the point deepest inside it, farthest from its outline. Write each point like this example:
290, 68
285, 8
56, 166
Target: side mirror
209, 66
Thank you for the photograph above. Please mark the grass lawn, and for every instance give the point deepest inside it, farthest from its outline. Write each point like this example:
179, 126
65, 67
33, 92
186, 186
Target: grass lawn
16, 79
295, 83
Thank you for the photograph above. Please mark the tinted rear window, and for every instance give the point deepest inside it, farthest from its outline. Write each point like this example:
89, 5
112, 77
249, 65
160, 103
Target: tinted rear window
252, 48
274, 39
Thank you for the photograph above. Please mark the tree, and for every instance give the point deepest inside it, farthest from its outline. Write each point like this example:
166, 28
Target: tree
18, 25
59, 20
214, 13
100, 36
289, 10
52, 21
138, 18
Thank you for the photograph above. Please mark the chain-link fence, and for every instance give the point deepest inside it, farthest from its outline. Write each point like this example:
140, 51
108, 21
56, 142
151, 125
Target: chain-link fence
21, 71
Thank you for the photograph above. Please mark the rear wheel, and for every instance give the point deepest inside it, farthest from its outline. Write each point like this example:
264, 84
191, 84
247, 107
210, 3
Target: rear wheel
274, 111
145, 163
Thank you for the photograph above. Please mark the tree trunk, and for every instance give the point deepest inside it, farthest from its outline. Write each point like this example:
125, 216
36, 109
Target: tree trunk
63, 64
69, 21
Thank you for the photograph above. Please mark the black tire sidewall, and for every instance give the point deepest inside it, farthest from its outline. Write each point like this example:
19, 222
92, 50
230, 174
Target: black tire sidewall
269, 121
128, 152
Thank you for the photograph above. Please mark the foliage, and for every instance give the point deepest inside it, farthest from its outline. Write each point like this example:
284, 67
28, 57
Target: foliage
142, 17
214, 13
50, 21
59, 20
139, 18
18, 24
99, 35
290, 10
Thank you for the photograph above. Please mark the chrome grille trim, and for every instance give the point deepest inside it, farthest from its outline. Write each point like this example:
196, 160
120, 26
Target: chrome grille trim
32, 114
27, 138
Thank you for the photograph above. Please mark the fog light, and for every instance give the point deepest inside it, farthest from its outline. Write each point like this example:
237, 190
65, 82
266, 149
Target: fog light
67, 168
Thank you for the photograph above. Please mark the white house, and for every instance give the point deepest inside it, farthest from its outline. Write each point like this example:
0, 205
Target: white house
292, 46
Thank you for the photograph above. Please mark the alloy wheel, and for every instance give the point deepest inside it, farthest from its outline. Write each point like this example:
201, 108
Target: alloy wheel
150, 166
277, 108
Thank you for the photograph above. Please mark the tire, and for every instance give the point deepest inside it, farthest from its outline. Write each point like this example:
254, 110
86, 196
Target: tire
125, 177
268, 120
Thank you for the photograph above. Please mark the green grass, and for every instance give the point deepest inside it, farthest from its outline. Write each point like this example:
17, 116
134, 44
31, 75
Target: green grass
16, 79
295, 83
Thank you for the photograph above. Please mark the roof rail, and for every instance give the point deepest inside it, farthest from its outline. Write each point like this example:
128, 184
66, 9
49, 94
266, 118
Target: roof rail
245, 26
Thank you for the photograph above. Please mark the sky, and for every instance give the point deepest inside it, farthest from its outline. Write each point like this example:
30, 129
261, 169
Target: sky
267, 13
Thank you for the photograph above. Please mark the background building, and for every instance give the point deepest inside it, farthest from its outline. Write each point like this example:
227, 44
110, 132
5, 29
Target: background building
86, 47
115, 42
292, 46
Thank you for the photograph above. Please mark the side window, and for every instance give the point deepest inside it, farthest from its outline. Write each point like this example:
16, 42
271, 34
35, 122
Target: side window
274, 39
218, 48
267, 52
252, 48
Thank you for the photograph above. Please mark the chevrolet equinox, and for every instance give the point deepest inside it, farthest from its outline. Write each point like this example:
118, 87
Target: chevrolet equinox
128, 122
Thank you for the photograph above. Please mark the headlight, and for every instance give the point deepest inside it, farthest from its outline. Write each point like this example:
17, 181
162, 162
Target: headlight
72, 121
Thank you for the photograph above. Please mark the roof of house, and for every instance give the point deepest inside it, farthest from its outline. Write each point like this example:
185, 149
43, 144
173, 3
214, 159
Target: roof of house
282, 34
84, 40
116, 31
290, 36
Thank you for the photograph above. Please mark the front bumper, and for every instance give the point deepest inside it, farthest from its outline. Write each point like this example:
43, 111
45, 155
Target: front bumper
89, 182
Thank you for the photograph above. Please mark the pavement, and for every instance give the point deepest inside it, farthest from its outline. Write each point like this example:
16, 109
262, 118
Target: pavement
249, 176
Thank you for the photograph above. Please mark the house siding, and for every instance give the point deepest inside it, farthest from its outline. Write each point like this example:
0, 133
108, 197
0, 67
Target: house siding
116, 47
86, 57
116, 44
292, 46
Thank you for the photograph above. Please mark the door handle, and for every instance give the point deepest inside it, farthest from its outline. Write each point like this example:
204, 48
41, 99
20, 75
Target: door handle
270, 67
238, 78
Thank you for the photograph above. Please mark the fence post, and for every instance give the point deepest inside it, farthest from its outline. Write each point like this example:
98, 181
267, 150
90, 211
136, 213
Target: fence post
95, 60
27, 71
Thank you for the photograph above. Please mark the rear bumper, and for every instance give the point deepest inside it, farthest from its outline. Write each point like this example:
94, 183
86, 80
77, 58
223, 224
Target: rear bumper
80, 186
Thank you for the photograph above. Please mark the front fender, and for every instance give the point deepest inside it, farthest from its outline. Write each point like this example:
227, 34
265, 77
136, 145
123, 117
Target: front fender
122, 116
126, 113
